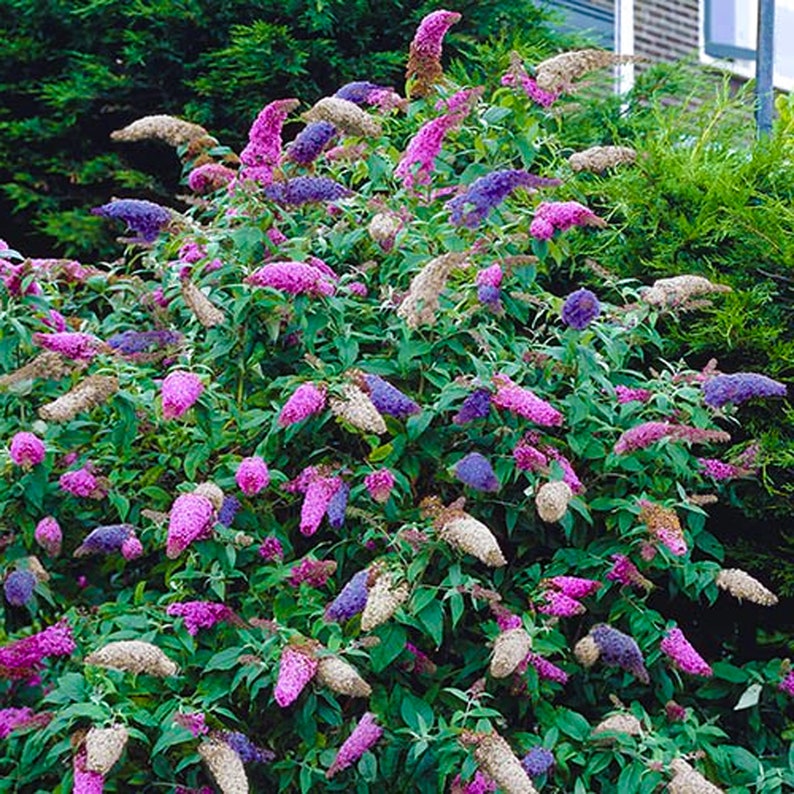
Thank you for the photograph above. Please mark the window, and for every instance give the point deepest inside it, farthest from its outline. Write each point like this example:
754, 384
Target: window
596, 18
729, 30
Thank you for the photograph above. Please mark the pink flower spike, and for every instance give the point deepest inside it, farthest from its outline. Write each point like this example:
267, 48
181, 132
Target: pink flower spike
676, 646
306, 400
49, 536
294, 278
319, 493
379, 485
718, 470
179, 391
364, 736
73, 345
547, 670
787, 684
673, 541
80, 482
551, 216
131, 548
642, 436
560, 605
26, 450
86, 781
417, 163
512, 397
429, 36
573, 586
263, 152
194, 721
200, 614
626, 394
252, 476
191, 518
296, 668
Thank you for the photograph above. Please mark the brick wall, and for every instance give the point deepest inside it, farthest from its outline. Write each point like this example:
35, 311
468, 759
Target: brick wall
665, 30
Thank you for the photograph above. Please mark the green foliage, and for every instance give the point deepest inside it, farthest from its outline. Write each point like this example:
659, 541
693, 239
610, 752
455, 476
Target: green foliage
735, 728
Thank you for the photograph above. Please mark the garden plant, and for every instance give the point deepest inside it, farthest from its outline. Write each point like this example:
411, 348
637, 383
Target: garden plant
336, 482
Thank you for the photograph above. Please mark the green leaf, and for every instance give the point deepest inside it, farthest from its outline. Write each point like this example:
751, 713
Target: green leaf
432, 618
392, 643
572, 724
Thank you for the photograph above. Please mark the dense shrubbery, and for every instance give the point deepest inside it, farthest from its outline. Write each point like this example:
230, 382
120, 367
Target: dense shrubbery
281, 396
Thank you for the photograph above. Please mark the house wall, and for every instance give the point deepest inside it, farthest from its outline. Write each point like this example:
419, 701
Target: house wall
665, 30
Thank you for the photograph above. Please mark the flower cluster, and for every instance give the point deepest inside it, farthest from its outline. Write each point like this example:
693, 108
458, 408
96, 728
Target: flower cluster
144, 217
554, 216
200, 614
472, 207
179, 392
26, 450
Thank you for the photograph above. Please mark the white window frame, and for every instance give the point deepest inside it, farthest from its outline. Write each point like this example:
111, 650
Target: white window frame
733, 61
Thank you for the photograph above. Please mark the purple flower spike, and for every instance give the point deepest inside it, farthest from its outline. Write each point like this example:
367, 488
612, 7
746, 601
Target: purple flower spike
306, 190
105, 540
538, 761
620, 650
351, 600
364, 736
310, 142
475, 471
335, 512
246, 749
144, 217
476, 406
19, 587
739, 387
580, 309
358, 92
228, 510
488, 192
388, 399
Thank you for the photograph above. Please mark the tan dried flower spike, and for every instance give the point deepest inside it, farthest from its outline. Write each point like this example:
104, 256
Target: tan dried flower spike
420, 305
205, 311
160, 127
90, 392
687, 780
356, 408
383, 227
225, 766
134, 656
496, 760
552, 501
341, 677
210, 491
586, 651
679, 289
104, 747
597, 159
48, 365
345, 115
617, 723
466, 533
383, 601
559, 72
741, 585
510, 648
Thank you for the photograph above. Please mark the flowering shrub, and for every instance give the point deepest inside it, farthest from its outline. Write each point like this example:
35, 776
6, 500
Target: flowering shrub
395, 538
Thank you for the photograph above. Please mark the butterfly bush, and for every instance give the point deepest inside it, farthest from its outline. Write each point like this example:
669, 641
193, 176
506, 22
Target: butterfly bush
500, 535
